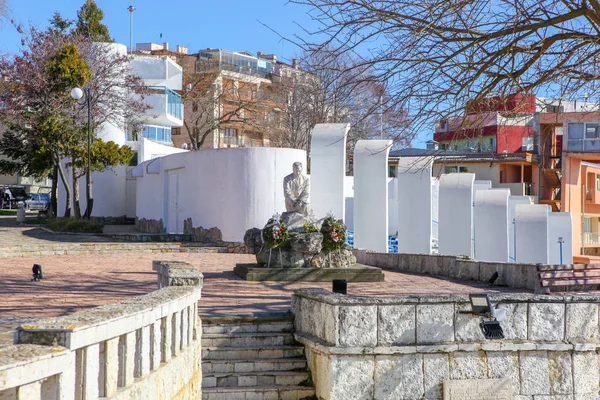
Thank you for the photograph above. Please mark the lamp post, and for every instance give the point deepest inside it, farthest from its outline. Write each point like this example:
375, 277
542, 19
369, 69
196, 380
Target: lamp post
77, 93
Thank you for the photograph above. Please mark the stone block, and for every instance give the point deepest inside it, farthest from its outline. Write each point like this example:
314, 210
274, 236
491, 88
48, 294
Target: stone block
436, 369
435, 323
357, 326
352, 377
560, 372
476, 389
396, 325
534, 372
504, 364
546, 322
399, 377
327, 325
515, 324
585, 373
430, 264
415, 263
468, 365
467, 325
466, 269
582, 322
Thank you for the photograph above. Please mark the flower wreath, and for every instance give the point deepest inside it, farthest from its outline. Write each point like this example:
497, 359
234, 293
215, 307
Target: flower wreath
275, 234
334, 234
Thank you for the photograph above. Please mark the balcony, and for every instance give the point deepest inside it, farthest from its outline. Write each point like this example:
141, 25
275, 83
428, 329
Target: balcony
591, 238
166, 107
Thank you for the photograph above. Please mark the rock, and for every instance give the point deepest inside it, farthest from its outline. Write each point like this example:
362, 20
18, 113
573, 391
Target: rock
253, 240
308, 243
294, 221
283, 258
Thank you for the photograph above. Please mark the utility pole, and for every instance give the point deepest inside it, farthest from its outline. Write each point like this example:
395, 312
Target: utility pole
131, 9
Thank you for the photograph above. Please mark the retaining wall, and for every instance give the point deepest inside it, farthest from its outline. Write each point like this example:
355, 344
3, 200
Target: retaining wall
147, 347
410, 347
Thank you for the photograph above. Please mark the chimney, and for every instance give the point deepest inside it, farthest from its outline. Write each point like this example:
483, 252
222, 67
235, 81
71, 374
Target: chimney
166, 46
295, 63
182, 49
432, 145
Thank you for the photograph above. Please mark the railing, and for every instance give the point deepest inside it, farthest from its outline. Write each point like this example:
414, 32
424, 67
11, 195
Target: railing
113, 348
591, 238
174, 105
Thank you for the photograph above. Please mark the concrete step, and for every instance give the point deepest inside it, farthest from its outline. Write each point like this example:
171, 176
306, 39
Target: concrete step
260, 393
272, 364
247, 339
245, 379
284, 326
251, 353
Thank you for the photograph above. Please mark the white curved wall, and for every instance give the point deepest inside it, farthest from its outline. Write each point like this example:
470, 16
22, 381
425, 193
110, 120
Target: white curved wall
456, 214
232, 189
371, 194
532, 233
512, 210
560, 228
328, 169
414, 204
491, 225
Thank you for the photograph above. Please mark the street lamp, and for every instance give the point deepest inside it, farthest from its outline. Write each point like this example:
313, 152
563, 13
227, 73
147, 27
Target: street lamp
77, 93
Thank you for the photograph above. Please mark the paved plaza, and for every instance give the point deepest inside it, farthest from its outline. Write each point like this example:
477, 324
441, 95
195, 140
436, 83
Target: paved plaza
76, 282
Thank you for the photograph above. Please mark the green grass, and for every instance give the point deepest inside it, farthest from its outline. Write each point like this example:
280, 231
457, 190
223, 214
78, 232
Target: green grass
74, 225
8, 212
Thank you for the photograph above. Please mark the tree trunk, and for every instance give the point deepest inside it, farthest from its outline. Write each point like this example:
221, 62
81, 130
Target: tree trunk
54, 193
76, 205
61, 172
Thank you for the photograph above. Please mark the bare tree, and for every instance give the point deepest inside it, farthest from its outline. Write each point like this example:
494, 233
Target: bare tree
439, 58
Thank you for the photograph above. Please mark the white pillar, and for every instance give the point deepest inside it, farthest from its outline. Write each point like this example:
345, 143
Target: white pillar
176, 338
560, 230
491, 225
512, 211
30, 391
328, 169
456, 214
91, 371
156, 338
145, 352
414, 205
532, 233
166, 338
110, 368
371, 194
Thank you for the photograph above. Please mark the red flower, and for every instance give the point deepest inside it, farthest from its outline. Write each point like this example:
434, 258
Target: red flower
280, 229
339, 235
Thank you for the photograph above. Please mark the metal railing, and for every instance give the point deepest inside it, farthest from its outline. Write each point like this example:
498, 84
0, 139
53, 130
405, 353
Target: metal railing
591, 238
174, 105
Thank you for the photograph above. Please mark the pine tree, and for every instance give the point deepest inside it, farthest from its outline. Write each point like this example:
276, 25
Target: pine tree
89, 23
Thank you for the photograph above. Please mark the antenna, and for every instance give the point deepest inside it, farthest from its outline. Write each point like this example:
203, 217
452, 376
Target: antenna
131, 9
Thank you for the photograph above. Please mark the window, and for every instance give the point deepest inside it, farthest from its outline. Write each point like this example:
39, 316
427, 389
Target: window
527, 144
449, 170
591, 131
597, 181
493, 144
157, 133
230, 137
392, 171
443, 146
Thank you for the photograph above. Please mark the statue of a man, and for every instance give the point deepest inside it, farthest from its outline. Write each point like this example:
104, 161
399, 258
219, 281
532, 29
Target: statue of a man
295, 190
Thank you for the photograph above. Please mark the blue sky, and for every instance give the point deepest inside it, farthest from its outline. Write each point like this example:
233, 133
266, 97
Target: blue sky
230, 24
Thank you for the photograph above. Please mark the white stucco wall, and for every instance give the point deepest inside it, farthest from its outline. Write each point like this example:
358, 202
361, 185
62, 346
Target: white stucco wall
559, 226
512, 210
232, 189
532, 233
435, 208
349, 202
371, 194
328, 169
147, 150
491, 225
414, 205
392, 206
456, 214
158, 71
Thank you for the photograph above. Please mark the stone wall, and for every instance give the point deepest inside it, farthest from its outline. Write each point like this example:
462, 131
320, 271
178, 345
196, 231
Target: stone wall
407, 347
509, 274
147, 347
149, 225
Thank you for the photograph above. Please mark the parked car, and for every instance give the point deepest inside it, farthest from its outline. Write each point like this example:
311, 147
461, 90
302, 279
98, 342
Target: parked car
12, 195
38, 201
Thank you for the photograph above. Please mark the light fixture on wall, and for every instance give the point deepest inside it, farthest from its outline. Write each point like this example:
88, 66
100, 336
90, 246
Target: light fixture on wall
481, 305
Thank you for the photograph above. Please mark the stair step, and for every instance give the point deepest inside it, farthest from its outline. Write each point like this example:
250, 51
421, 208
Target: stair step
259, 392
245, 379
272, 364
251, 353
247, 339
249, 327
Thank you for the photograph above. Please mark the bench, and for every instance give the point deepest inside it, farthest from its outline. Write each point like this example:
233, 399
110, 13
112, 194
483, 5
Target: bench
568, 275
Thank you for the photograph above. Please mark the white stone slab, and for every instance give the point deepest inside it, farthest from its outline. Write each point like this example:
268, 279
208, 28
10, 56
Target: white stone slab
560, 229
491, 225
532, 233
476, 389
435, 208
328, 169
371, 194
414, 204
480, 185
512, 209
456, 214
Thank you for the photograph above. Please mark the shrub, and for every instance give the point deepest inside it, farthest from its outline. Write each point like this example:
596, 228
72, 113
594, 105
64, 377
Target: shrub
75, 225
